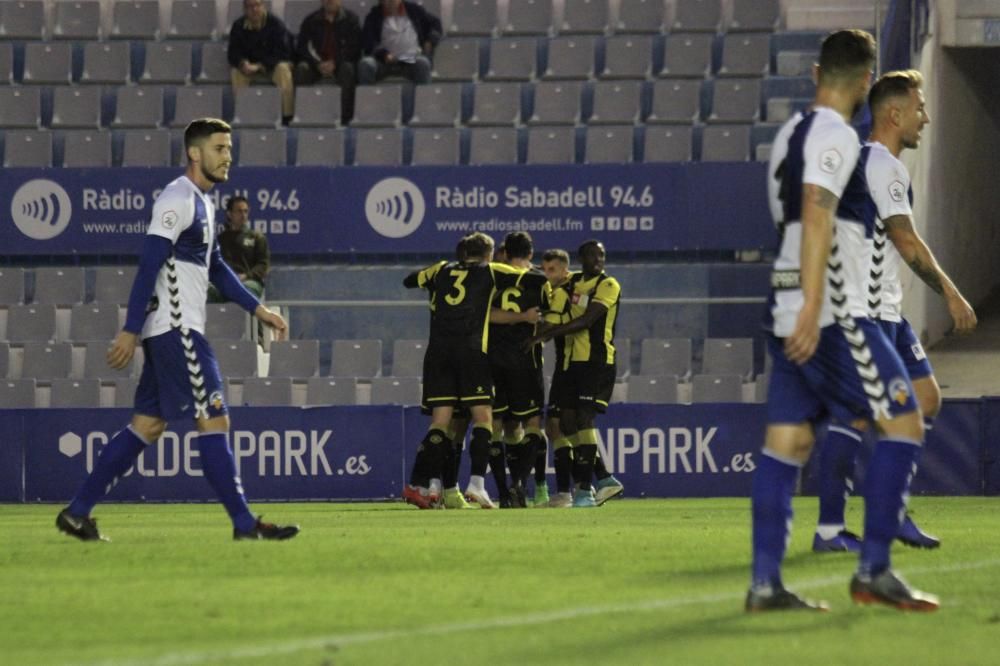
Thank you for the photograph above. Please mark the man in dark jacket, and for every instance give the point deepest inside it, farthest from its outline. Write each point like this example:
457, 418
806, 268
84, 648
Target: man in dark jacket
328, 48
244, 250
260, 50
398, 39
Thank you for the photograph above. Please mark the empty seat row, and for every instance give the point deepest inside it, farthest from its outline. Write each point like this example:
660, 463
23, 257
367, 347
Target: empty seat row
323, 391
363, 358
197, 19
65, 285
597, 144
390, 105
577, 57
102, 321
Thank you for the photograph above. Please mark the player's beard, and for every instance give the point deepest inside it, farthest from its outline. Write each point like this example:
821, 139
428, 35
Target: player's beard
212, 178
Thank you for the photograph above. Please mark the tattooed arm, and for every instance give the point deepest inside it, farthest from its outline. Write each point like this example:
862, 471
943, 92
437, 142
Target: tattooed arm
919, 257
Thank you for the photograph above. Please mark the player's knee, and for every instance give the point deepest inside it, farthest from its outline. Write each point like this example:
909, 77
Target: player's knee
790, 442
214, 424
928, 396
909, 426
147, 427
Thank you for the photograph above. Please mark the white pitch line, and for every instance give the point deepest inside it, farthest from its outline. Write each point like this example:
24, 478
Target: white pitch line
341, 640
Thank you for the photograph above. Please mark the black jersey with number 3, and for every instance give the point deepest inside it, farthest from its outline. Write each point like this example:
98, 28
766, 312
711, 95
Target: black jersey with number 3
463, 292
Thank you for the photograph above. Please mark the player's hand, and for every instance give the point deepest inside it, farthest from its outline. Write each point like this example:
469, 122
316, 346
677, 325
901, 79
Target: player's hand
531, 315
122, 349
528, 344
272, 320
962, 314
801, 344
327, 67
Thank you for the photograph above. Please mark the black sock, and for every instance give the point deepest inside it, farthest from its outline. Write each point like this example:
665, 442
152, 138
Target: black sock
564, 468
541, 462
449, 470
583, 464
433, 445
498, 465
479, 450
515, 461
533, 443
419, 474
600, 471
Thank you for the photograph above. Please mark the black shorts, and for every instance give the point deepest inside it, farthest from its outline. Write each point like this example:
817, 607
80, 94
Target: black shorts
590, 385
456, 374
518, 384
558, 392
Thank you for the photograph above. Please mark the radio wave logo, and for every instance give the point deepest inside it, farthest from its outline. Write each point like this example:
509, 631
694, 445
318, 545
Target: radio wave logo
41, 209
395, 207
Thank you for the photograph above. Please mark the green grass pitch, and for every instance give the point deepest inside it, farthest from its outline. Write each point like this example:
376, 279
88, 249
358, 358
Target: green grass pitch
634, 582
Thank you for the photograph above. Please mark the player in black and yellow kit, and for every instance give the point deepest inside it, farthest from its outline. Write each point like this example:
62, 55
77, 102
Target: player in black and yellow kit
555, 308
456, 366
593, 297
518, 383
418, 492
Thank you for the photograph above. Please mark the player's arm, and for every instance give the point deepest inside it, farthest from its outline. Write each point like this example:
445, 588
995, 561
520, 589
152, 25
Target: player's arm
171, 215
916, 253
818, 207
595, 310
155, 251
420, 279
501, 316
229, 285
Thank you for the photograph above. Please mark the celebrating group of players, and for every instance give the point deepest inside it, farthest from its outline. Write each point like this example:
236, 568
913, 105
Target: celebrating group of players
483, 366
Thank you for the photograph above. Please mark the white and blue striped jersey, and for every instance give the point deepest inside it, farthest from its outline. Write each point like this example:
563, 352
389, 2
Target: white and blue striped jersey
185, 216
879, 189
818, 148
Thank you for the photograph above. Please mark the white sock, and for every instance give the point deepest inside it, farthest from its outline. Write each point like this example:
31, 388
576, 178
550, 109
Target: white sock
435, 487
829, 531
477, 483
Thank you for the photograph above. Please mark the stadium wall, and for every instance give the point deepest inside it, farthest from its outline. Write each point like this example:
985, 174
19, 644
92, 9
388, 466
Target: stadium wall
357, 453
954, 173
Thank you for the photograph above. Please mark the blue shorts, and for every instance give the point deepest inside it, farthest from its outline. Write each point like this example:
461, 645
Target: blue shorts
833, 384
180, 378
902, 337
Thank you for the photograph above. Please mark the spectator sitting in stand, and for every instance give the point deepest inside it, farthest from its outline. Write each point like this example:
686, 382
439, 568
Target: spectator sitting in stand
260, 51
328, 48
243, 249
398, 39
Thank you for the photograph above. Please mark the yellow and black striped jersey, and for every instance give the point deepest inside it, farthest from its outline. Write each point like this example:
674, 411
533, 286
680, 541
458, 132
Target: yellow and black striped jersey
596, 343
462, 293
555, 308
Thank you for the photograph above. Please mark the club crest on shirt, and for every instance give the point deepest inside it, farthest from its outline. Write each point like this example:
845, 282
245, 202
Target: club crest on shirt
897, 191
830, 160
215, 400
899, 390
580, 299
168, 219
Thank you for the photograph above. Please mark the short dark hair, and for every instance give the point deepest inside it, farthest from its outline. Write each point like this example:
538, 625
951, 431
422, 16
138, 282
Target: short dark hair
202, 128
586, 244
846, 54
235, 199
518, 245
556, 255
478, 245
893, 84
460, 252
